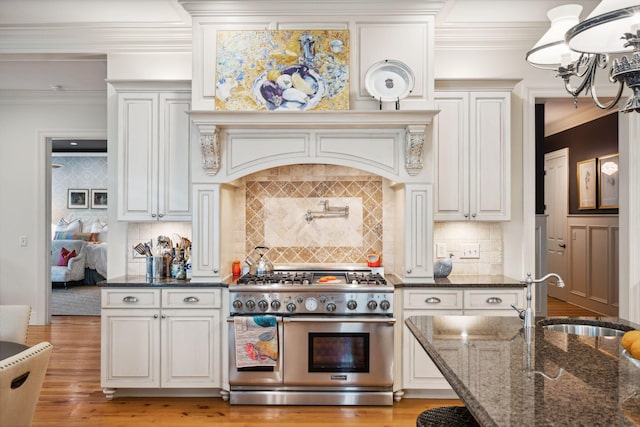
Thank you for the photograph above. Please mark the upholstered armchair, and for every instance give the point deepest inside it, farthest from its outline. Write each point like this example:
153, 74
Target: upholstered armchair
21, 380
73, 271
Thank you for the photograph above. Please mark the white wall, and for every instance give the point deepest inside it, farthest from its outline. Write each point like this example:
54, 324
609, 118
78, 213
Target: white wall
24, 122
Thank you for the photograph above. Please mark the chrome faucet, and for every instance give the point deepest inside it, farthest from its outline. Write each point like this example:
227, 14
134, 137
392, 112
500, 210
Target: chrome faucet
527, 313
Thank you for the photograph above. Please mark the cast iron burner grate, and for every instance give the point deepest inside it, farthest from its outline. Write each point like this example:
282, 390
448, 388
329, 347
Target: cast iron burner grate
365, 278
286, 278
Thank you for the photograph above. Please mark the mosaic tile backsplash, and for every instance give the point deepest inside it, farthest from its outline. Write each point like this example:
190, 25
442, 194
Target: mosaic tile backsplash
276, 202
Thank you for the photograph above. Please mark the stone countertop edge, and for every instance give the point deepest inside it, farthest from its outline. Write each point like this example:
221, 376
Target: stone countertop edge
143, 282
478, 411
460, 281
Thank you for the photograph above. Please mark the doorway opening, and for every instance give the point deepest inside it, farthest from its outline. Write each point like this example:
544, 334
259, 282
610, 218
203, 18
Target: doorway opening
76, 214
577, 233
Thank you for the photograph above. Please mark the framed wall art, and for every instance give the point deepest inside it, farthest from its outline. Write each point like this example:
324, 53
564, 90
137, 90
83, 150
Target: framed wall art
608, 182
98, 199
587, 184
77, 199
282, 70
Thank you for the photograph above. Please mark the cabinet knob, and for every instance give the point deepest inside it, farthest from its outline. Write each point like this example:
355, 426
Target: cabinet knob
164, 316
160, 215
433, 300
466, 215
494, 300
408, 271
153, 215
155, 316
191, 299
562, 245
473, 215
215, 270
130, 299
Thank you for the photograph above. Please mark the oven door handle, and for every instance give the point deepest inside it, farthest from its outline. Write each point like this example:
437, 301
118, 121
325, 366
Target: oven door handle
332, 319
230, 319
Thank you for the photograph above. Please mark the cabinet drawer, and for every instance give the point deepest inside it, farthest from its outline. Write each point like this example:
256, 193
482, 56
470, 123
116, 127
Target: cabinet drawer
191, 298
492, 299
130, 298
433, 299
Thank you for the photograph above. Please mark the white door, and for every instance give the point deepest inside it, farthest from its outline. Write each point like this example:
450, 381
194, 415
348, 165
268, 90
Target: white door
556, 202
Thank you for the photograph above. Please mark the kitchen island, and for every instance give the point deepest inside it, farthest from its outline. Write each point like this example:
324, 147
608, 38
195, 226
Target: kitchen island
553, 378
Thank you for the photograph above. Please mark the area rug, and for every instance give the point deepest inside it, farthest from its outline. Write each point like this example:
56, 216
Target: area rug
76, 301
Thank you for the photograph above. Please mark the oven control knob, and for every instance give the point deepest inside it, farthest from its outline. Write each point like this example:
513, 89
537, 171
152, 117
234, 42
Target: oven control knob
352, 304
291, 307
371, 305
385, 305
250, 304
275, 304
237, 304
331, 307
263, 305
299, 299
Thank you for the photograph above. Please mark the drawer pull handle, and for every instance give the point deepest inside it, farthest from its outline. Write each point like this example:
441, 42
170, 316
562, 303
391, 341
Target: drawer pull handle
494, 300
129, 299
191, 299
433, 300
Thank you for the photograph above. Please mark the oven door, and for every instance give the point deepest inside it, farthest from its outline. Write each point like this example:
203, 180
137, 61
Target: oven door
339, 351
258, 375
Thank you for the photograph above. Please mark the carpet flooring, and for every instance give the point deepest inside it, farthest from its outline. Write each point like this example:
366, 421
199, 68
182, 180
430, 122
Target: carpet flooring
81, 300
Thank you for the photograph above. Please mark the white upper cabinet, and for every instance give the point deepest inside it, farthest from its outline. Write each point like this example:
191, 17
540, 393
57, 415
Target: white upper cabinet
472, 156
154, 179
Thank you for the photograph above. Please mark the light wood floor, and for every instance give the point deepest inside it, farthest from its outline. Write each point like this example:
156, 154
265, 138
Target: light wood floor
71, 395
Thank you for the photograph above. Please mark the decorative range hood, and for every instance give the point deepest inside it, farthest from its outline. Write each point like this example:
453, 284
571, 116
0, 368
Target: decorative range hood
361, 135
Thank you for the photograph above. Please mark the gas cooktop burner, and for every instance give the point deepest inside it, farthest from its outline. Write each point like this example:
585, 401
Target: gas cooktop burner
278, 277
365, 278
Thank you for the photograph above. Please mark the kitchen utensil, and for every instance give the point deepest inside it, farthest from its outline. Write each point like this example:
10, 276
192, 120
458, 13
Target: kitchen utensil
140, 249
259, 264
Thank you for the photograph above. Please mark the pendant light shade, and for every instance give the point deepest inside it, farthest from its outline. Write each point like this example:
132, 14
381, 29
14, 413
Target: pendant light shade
550, 50
602, 30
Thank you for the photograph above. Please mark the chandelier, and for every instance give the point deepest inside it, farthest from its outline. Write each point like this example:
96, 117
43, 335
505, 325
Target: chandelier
577, 50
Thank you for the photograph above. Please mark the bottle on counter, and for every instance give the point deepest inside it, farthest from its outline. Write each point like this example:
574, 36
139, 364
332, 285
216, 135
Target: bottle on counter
187, 263
235, 269
175, 263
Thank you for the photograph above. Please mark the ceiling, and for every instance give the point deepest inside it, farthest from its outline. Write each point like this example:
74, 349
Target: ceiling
40, 50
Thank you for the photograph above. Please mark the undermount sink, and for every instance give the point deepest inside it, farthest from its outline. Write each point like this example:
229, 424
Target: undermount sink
585, 329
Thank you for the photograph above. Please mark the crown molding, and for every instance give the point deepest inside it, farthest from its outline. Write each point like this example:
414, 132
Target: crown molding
57, 39
487, 36
204, 8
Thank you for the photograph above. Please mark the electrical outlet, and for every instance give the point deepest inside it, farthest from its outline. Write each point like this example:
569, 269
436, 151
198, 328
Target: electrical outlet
470, 250
23, 241
441, 250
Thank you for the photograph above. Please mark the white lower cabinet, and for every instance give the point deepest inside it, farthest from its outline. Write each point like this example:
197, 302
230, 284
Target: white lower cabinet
160, 338
420, 376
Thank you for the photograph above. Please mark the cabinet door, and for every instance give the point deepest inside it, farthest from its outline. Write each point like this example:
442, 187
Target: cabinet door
174, 176
205, 259
137, 156
489, 168
191, 348
130, 353
418, 232
418, 370
451, 153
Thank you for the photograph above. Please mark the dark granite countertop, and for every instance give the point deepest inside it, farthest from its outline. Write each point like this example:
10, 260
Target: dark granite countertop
551, 379
460, 281
143, 282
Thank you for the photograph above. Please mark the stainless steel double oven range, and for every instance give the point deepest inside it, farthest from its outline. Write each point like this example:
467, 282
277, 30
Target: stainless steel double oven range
335, 338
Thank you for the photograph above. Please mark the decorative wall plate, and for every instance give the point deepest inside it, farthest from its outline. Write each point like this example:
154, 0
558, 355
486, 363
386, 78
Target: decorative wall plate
389, 80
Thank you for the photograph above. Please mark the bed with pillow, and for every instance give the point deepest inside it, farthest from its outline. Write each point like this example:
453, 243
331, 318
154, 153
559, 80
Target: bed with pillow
94, 249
